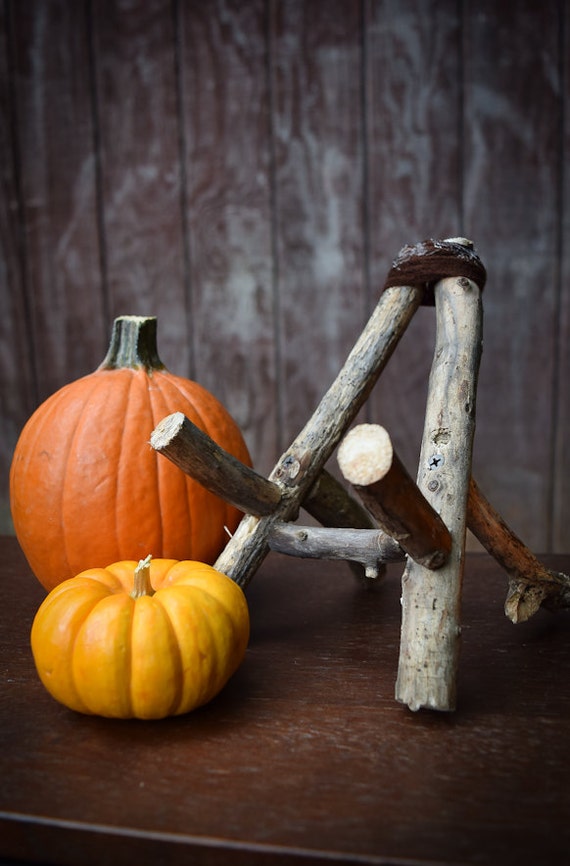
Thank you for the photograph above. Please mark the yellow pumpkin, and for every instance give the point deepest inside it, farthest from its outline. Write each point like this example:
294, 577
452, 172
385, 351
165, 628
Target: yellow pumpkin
140, 641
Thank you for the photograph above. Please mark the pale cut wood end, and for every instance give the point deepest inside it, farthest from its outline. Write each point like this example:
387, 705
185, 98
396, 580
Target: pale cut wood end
166, 430
365, 454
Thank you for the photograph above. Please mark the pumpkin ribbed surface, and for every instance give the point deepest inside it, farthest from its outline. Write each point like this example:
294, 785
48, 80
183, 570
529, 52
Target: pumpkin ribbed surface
86, 488
100, 651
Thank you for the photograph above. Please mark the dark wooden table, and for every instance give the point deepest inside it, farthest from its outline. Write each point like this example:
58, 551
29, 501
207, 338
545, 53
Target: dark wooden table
305, 757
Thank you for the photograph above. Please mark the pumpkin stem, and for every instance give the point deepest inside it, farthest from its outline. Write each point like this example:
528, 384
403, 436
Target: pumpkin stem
142, 585
133, 344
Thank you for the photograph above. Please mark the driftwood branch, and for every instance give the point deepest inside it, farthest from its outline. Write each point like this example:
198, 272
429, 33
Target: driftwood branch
368, 461
299, 467
329, 502
531, 584
193, 451
431, 600
370, 547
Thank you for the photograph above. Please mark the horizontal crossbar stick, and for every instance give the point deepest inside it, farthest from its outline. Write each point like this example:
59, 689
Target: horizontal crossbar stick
329, 502
370, 547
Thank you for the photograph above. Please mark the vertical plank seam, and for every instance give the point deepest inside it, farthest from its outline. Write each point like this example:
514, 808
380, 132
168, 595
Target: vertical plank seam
273, 210
18, 185
553, 536
365, 171
97, 156
183, 181
461, 76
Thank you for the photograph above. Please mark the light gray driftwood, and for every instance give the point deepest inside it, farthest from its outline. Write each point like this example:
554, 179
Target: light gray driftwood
329, 502
196, 453
299, 467
370, 547
193, 451
431, 600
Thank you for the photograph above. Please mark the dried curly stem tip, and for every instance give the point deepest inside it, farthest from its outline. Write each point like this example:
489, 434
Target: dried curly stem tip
531, 583
142, 585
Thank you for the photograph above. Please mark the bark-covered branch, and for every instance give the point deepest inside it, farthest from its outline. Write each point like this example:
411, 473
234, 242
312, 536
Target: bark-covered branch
531, 583
370, 547
299, 467
196, 453
368, 461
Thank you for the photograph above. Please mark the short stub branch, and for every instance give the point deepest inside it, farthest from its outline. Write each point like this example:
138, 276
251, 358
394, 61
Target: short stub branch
196, 453
367, 460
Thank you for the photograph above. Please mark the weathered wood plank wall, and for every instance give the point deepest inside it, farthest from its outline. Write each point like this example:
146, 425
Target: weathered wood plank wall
246, 170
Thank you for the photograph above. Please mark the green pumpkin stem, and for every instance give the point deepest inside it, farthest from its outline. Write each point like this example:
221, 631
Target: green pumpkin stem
133, 344
142, 585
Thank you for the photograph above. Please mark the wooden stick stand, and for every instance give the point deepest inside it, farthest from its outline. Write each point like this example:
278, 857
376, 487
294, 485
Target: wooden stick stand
422, 523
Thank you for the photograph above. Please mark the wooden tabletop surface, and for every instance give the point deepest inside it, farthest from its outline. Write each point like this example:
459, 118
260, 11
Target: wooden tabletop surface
305, 757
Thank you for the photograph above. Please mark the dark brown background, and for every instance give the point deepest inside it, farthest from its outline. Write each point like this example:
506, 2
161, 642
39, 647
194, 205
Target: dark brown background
247, 170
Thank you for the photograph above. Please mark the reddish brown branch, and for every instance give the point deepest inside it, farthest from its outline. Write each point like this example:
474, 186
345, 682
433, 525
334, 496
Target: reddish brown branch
531, 583
368, 461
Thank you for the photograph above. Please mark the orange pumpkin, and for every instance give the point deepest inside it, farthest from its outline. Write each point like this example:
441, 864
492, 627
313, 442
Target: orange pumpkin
146, 641
87, 489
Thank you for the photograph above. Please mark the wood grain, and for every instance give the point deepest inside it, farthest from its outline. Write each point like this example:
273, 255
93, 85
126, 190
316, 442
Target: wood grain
225, 123
318, 140
18, 391
512, 176
299, 467
53, 125
431, 601
305, 757
138, 132
413, 91
248, 171
559, 535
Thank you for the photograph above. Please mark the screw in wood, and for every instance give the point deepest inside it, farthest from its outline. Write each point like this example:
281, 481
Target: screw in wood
435, 461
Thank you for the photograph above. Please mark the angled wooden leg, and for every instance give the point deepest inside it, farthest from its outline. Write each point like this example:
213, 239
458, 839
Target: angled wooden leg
431, 600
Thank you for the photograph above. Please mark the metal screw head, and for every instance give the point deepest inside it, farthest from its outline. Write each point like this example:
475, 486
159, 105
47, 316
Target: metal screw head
435, 461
